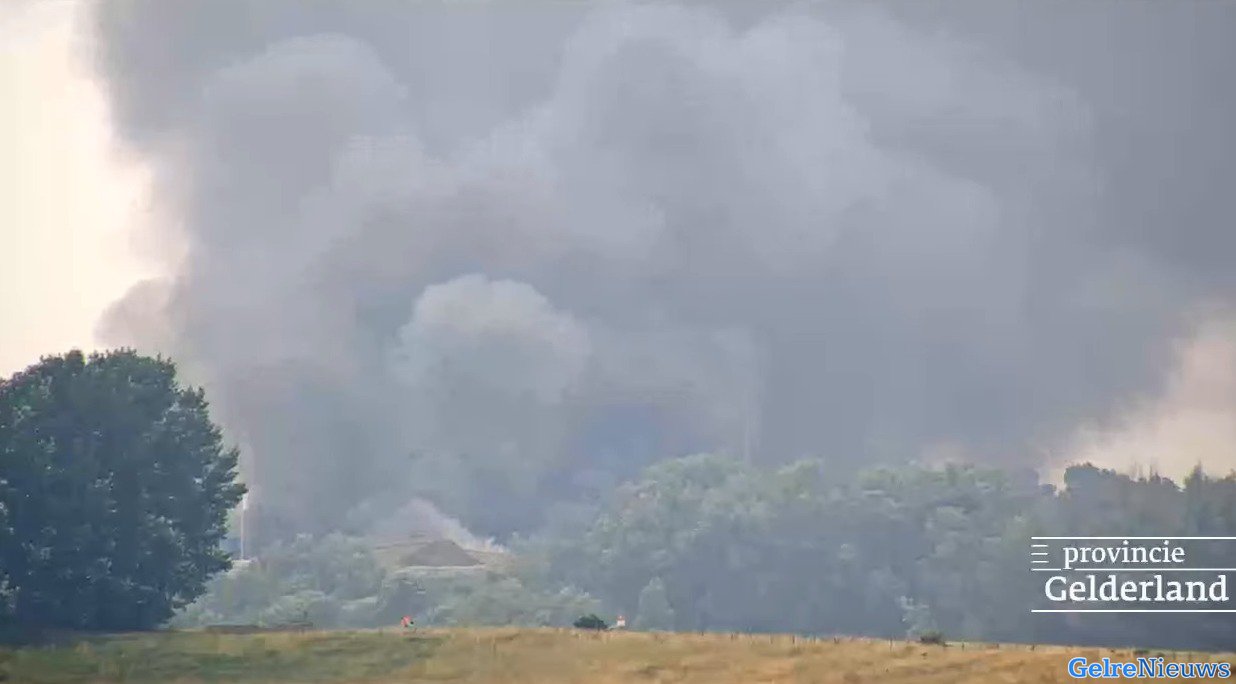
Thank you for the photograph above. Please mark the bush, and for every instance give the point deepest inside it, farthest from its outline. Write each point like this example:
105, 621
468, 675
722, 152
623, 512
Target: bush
932, 637
301, 609
333, 564
590, 621
360, 613
505, 601
333, 578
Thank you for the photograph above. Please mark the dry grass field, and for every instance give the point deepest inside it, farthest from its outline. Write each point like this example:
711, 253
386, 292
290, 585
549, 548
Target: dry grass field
535, 656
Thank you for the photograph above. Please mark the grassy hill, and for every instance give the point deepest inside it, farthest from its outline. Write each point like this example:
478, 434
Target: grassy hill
533, 656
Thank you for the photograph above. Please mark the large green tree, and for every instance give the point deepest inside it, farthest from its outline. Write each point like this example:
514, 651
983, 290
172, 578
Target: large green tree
114, 492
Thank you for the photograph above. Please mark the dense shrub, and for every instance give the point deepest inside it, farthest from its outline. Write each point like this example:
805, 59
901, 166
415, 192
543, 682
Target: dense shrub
590, 621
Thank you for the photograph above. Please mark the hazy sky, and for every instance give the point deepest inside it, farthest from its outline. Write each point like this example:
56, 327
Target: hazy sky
66, 201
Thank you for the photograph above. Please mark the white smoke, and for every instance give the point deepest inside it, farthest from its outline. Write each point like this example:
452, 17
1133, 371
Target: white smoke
501, 335
419, 517
1191, 423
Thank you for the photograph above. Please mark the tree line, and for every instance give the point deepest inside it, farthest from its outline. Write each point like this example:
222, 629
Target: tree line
711, 543
115, 492
885, 552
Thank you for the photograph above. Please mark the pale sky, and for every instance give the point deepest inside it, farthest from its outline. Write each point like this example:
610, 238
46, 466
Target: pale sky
68, 204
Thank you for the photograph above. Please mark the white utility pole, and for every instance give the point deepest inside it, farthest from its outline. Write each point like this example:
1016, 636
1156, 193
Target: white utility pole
244, 509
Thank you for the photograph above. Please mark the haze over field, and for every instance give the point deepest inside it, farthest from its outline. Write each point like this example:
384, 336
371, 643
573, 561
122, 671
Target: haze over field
507, 253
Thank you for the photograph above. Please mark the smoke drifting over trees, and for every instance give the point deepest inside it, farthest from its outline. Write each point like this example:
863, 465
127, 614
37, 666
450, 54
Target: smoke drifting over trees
499, 254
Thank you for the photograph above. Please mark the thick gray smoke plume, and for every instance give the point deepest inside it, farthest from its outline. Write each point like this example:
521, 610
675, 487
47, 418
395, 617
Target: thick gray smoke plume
505, 254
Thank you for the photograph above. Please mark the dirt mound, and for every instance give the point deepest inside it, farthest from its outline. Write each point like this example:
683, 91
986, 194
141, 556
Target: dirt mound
438, 553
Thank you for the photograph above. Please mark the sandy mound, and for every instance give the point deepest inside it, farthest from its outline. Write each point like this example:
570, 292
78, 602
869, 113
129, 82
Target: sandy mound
438, 553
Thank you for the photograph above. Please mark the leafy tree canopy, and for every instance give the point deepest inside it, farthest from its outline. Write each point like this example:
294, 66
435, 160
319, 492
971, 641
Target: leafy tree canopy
114, 492
712, 543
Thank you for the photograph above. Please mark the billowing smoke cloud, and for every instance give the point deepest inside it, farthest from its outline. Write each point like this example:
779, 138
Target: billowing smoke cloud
1192, 423
503, 337
501, 255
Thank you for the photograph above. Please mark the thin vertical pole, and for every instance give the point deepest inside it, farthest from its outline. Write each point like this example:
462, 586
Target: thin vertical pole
244, 510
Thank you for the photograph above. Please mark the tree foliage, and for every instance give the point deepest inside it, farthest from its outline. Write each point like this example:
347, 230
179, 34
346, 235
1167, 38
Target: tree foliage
712, 543
114, 491
891, 551
335, 581
590, 621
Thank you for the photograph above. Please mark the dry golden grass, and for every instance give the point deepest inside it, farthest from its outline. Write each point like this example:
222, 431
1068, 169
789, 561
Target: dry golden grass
542, 656
538, 656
